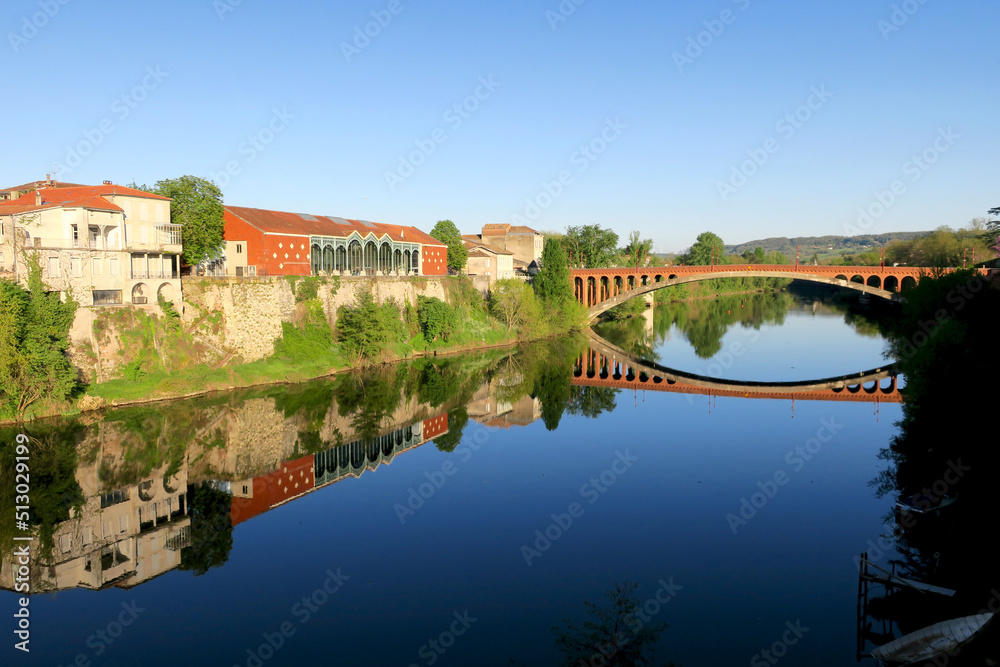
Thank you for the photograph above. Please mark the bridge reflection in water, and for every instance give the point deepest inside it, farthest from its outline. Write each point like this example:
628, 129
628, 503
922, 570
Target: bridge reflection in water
607, 365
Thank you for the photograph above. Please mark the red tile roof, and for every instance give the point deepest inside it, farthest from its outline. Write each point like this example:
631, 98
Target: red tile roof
58, 199
105, 190
282, 222
87, 196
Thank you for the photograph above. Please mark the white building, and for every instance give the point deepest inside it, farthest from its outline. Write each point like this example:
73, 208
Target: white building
106, 244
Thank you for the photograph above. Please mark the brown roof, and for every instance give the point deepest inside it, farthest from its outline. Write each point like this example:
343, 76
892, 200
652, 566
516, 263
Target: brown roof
507, 229
485, 246
42, 184
282, 222
26, 203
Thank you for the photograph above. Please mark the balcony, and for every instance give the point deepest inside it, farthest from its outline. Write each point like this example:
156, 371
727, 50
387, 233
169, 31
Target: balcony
156, 275
48, 243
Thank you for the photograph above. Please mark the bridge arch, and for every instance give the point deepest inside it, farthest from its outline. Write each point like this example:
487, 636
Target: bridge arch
598, 305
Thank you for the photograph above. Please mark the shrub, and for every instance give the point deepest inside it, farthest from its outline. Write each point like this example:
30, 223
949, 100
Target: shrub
437, 319
367, 330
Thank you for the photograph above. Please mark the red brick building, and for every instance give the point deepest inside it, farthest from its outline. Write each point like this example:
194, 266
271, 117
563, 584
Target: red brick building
261, 242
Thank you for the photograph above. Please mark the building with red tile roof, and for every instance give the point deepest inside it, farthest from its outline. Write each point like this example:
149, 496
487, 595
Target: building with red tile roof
264, 242
106, 244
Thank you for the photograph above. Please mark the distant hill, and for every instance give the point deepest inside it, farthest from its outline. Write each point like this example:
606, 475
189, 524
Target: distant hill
824, 246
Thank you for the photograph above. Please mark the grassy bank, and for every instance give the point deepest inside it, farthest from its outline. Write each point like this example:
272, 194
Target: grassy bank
158, 358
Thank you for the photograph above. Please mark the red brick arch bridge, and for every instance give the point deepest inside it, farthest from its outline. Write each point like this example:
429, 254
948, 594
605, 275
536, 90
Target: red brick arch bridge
602, 289
607, 365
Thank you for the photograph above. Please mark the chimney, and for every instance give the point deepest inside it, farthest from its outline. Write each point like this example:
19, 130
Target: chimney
38, 197
107, 182
48, 179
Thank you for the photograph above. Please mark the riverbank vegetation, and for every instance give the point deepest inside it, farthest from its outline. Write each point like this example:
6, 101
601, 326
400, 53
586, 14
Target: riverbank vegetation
34, 337
944, 341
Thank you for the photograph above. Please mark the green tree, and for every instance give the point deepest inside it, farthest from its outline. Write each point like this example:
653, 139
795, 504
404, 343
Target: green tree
756, 256
553, 284
368, 329
437, 319
707, 248
591, 245
197, 204
637, 251
457, 420
211, 529
447, 233
513, 302
34, 337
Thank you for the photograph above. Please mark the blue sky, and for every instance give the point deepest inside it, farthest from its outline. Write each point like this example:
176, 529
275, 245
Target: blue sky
666, 118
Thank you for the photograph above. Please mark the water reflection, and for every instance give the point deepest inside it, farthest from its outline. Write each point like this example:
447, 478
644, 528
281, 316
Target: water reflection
125, 497
121, 499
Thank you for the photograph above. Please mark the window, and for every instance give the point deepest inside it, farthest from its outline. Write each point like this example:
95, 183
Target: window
53, 267
114, 498
113, 266
239, 248
143, 234
75, 267
107, 297
76, 237
95, 266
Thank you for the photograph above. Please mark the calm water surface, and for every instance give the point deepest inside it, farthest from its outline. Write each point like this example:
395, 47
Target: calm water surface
451, 546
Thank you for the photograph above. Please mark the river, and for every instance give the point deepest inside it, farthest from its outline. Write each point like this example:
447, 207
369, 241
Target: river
464, 510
